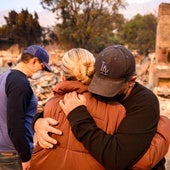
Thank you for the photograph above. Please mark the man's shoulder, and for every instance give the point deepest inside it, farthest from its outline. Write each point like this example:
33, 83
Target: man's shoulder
141, 92
144, 89
17, 76
17, 80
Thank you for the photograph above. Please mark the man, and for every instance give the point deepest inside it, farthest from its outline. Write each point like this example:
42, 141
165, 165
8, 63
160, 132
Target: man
114, 78
18, 105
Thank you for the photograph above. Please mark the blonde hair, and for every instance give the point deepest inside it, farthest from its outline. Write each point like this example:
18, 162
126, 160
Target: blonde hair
78, 64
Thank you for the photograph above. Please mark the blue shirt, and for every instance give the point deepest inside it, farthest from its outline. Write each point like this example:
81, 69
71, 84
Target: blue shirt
18, 106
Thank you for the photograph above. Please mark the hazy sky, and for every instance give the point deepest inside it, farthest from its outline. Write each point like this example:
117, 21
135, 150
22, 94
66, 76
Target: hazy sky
137, 1
47, 18
34, 5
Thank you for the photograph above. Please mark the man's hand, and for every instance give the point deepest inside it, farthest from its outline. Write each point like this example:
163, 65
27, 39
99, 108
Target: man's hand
26, 165
71, 101
42, 127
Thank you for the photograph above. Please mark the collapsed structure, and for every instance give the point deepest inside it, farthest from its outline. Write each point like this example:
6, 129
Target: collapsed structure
159, 73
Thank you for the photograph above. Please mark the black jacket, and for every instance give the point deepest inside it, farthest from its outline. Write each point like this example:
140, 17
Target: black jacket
121, 150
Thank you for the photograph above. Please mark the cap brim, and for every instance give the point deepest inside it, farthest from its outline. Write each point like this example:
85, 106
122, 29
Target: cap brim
47, 67
105, 87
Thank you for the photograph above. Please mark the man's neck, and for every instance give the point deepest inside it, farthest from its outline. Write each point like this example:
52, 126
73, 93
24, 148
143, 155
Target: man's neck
24, 68
129, 90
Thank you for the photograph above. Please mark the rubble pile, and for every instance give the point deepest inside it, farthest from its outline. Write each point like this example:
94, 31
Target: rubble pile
43, 84
163, 92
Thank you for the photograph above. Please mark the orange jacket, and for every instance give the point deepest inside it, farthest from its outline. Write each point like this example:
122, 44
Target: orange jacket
158, 148
71, 154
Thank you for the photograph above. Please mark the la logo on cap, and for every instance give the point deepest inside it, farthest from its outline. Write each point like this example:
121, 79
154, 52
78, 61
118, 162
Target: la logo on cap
103, 69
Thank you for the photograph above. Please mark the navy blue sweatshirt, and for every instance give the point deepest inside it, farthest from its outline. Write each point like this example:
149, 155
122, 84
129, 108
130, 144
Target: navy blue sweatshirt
20, 106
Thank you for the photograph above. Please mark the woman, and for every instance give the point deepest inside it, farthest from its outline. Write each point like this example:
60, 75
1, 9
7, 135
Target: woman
77, 71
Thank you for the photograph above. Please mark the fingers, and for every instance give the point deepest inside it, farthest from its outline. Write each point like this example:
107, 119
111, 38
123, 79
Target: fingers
70, 97
47, 142
44, 126
64, 107
61, 103
52, 121
26, 165
51, 129
82, 99
71, 101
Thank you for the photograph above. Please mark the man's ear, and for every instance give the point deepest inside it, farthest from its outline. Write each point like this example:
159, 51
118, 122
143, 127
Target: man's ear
33, 60
132, 80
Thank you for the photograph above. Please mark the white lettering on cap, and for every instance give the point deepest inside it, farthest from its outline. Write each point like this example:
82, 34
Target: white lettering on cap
103, 69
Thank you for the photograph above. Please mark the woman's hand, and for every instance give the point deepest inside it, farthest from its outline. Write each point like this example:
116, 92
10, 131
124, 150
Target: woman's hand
42, 127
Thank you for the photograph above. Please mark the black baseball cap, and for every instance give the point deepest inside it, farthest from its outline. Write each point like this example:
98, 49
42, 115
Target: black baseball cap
40, 53
114, 65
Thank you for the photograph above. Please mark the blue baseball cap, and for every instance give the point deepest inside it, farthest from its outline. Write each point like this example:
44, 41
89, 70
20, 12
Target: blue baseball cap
40, 53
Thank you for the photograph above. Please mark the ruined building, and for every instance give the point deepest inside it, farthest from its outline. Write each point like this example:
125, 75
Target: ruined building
160, 68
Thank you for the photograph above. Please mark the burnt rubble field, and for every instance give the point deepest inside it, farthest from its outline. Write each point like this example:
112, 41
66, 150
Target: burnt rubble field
43, 86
